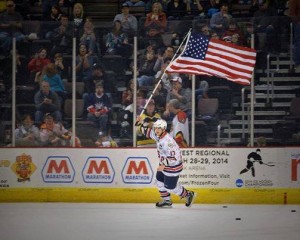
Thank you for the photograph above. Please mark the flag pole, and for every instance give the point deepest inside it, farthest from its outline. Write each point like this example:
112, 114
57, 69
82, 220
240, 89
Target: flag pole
164, 72
252, 102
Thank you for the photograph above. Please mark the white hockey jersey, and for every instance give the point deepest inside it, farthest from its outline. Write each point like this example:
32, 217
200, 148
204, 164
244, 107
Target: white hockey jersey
168, 153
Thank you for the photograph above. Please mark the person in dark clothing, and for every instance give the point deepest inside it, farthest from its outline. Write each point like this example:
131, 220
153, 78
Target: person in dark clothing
62, 37
99, 107
46, 101
176, 9
10, 26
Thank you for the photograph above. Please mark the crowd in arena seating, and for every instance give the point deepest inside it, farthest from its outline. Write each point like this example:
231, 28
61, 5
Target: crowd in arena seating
48, 67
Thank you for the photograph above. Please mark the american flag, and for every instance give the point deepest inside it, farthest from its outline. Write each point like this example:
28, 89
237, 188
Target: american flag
213, 57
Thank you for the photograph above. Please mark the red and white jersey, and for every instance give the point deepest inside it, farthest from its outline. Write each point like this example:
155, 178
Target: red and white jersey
180, 129
168, 153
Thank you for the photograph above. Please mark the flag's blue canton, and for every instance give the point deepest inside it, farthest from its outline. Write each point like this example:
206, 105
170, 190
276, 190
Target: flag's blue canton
197, 47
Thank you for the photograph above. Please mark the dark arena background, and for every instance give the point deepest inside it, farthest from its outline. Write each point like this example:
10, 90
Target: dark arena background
225, 75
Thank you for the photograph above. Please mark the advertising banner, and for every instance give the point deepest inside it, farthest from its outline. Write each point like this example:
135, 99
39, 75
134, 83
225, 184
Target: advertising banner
203, 168
218, 175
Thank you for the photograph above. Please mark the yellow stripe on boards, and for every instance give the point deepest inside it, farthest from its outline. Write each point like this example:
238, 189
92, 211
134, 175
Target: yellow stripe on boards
149, 195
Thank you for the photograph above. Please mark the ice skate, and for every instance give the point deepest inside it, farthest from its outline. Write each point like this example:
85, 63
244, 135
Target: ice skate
190, 198
164, 204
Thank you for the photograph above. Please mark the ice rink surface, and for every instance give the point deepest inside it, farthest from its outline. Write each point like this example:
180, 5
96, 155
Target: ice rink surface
99, 221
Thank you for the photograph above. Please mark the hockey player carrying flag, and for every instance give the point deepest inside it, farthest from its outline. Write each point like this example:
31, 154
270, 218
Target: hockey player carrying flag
170, 165
164, 72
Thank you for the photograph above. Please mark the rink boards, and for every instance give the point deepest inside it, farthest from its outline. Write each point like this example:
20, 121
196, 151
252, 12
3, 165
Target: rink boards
218, 175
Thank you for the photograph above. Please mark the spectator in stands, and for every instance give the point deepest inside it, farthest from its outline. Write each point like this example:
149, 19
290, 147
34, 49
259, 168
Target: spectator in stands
175, 40
140, 101
201, 91
265, 22
261, 142
99, 76
162, 58
78, 18
220, 20
105, 141
127, 94
62, 70
249, 30
234, 39
156, 23
214, 35
116, 41
126, 114
159, 96
180, 124
51, 76
128, 21
27, 134
149, 48
176, 9
54, 14
38, 80
213, 7
205, 30
69, 137
53, 133
62, 37
147, 119
10, 26
51, 22
37, 64
145, 70
46, 101
183, 95
46, 7
233, 34
149, 4
195, 9
39, 61
84, 63
165, 77
99, 107
88, 37
294, 14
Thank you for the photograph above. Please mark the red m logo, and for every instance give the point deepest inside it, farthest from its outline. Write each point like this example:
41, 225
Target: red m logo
133, 168
62, 167
98, 169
